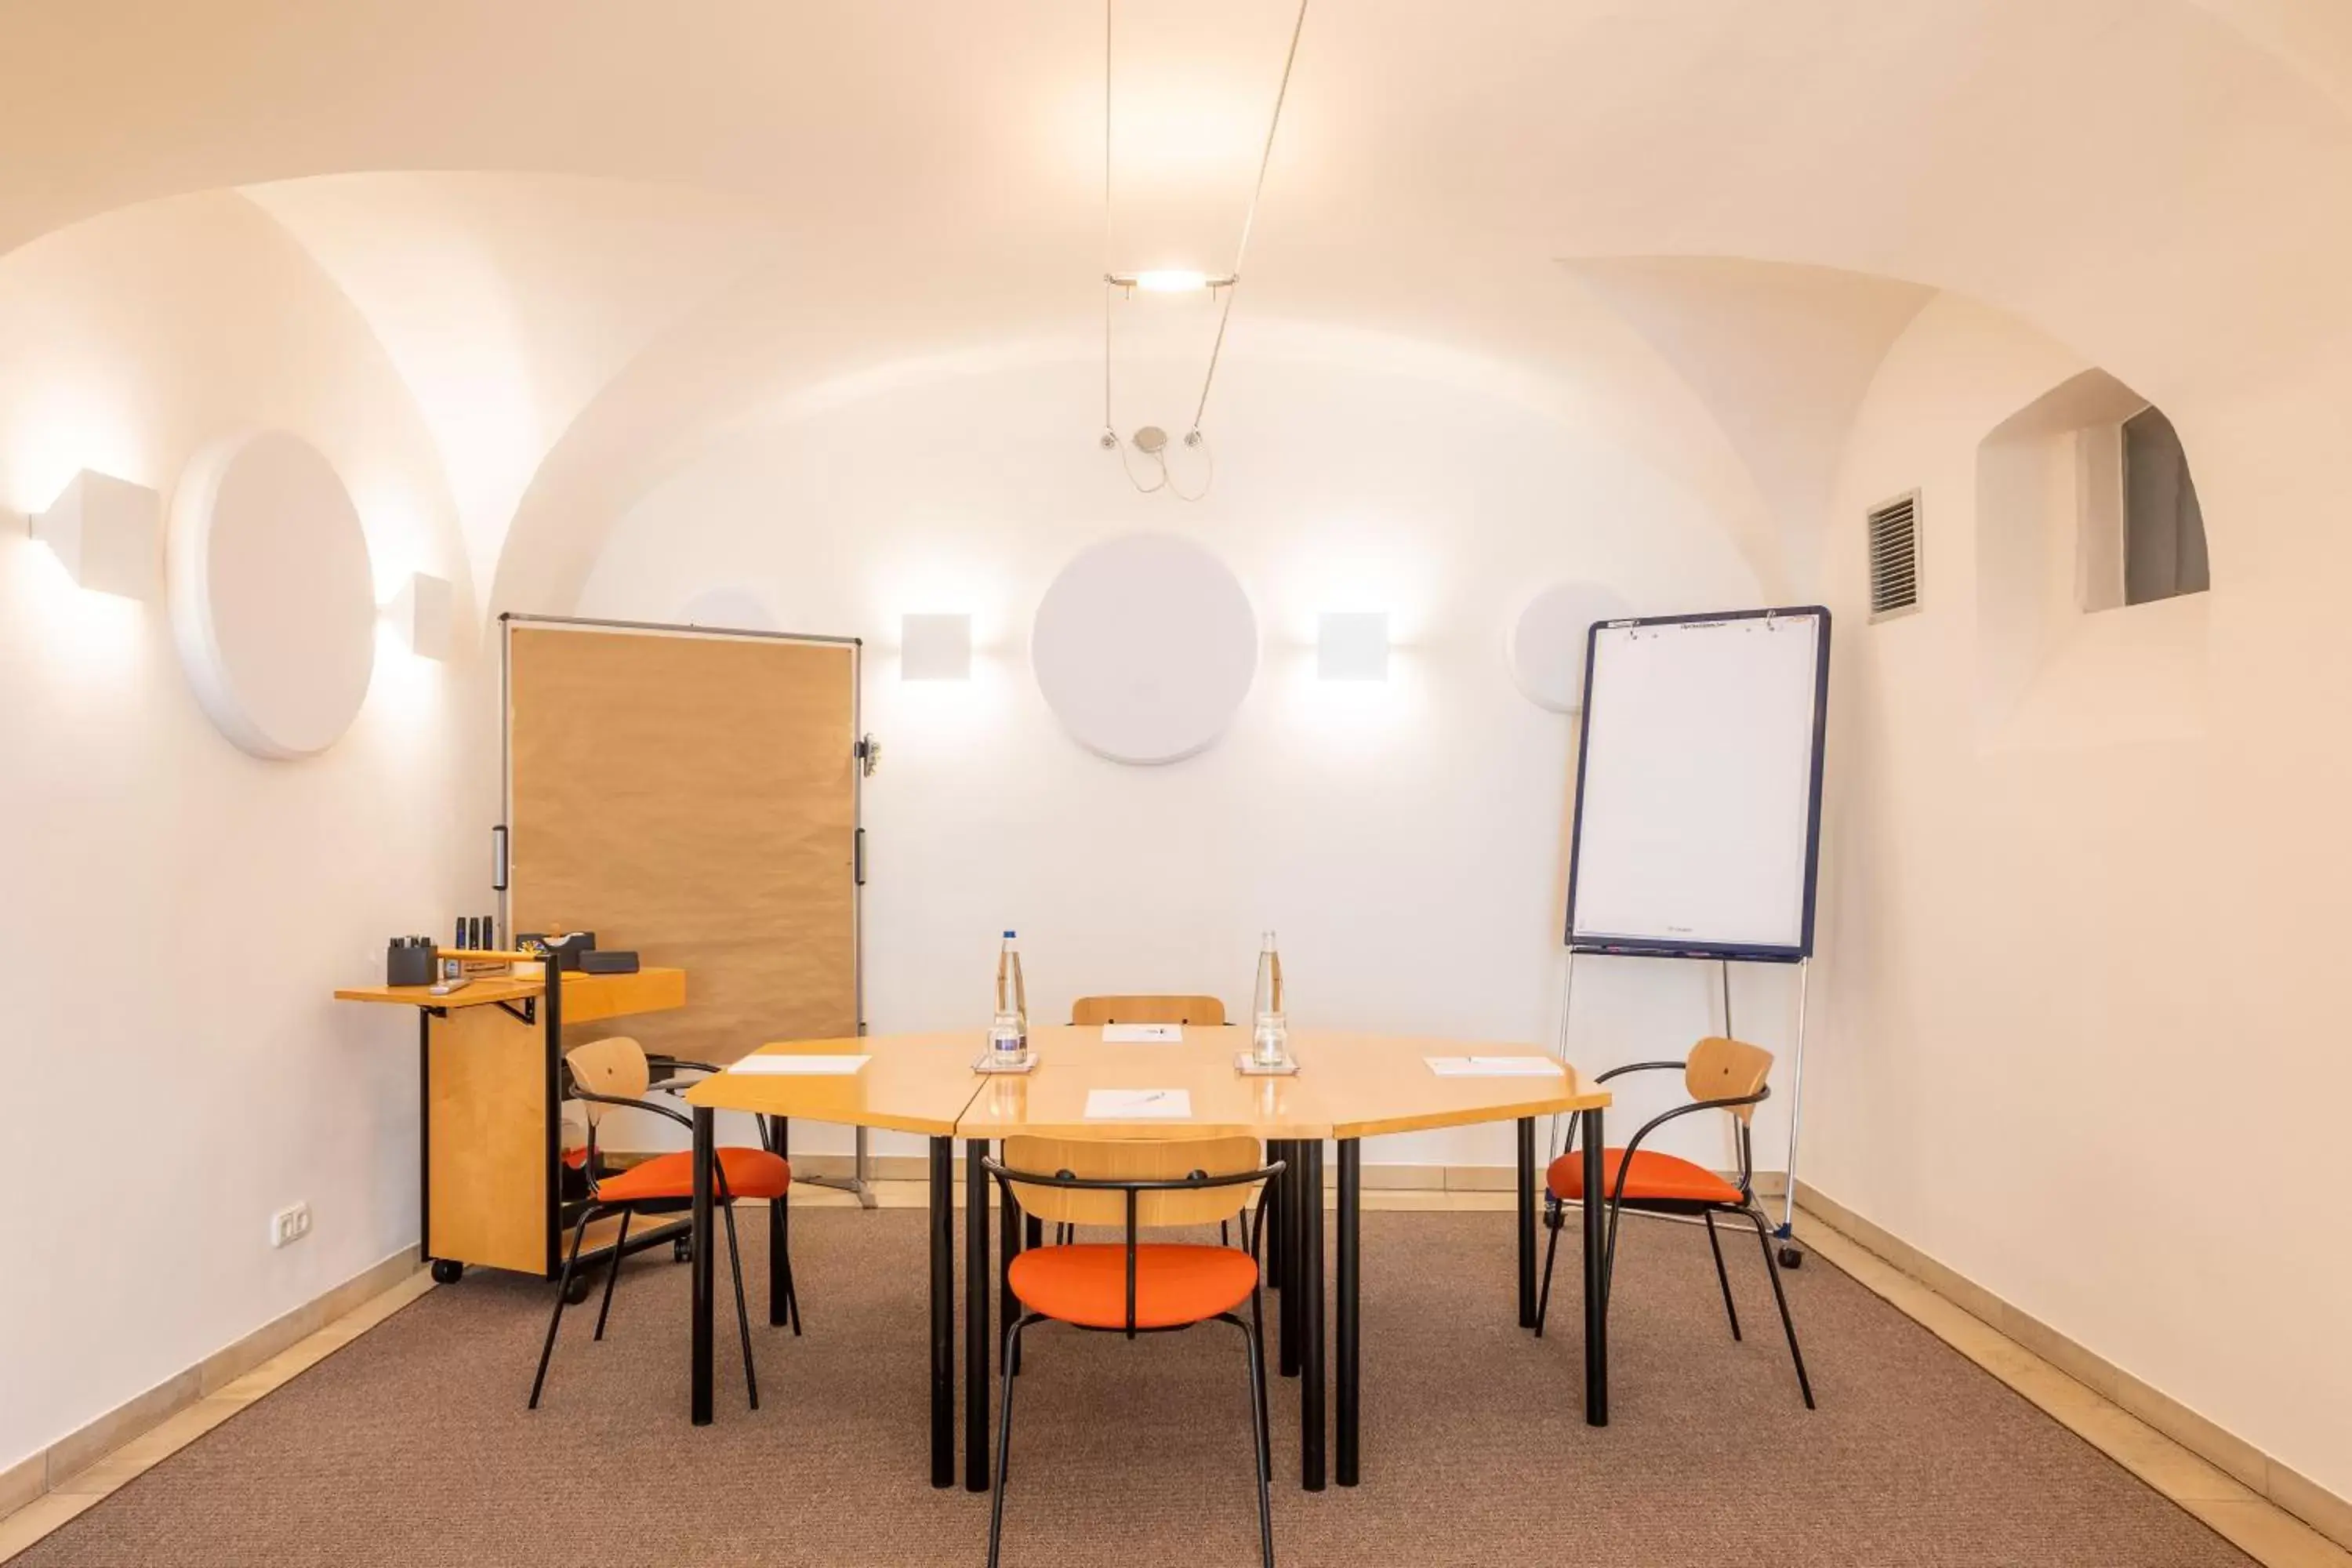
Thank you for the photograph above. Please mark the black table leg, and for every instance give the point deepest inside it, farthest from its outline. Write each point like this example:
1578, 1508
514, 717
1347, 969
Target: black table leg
976, 1359
1008, 1247
942, 1312
706, 1253
1350, 1308
1294, 1324
1596, 1290
1310, 1311
779, 1233
1526, 1221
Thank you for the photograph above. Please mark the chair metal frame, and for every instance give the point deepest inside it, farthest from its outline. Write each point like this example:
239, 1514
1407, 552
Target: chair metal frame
1555, 1210
597, 1208
1253, 1332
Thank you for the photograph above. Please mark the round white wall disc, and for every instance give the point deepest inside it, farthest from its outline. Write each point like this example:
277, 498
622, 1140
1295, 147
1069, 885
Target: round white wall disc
1547, 641
729, 609
1144, 648
272, 597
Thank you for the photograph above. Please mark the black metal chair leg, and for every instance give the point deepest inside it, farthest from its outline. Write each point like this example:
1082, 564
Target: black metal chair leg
1554, 1218
613, 1273
742, 1312
1772, 1270
1721, 1277
1003, 1439
1257, 1345
562, 1289
792, 1296
1264, 1449
1616, 1212
1225, 1233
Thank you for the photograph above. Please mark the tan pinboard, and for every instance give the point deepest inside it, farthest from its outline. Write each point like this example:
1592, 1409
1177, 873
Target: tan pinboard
694, 799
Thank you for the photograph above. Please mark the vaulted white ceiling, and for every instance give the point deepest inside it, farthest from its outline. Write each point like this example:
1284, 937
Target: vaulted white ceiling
593, 236
508, 301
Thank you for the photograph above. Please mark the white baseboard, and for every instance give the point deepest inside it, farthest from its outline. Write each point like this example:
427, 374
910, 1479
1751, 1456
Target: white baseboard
45, 1468
2281, 1486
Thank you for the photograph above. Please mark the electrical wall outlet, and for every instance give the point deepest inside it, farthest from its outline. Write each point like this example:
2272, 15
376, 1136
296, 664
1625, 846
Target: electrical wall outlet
289, 1225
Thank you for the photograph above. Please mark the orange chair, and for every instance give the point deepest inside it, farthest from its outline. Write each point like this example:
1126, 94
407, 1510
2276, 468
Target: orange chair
1138, 1287
1721, 1074
617, 1072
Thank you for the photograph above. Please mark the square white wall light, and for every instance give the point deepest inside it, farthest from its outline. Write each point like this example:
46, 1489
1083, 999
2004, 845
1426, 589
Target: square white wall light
424, 614
1352, 645
935, 647
107, 532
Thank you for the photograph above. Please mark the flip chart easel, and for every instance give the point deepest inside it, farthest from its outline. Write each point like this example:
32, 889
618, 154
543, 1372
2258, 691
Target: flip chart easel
1698, 805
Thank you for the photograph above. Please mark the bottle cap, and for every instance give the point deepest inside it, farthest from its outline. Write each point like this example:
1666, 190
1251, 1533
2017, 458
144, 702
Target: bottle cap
1008, 936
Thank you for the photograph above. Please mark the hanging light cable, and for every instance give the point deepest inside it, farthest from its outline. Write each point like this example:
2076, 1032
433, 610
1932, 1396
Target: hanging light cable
1249, 221
1172, 281
1110, 431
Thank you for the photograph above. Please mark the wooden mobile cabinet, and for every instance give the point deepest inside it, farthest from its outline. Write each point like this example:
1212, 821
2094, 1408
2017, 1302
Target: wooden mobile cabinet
490, 1074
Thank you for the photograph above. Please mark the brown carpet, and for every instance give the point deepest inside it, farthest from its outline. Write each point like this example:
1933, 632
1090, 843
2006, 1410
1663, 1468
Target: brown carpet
413, 1447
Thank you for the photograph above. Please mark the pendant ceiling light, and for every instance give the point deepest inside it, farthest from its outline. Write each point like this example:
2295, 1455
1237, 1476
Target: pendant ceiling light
1151, 441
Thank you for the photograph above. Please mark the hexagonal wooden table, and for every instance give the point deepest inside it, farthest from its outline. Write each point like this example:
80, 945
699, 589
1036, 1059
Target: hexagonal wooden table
1349, 1086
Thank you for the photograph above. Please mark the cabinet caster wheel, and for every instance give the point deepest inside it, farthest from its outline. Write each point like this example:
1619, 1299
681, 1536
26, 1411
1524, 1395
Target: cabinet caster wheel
1790, 1257
576, 1291
447, 1271
682, 1249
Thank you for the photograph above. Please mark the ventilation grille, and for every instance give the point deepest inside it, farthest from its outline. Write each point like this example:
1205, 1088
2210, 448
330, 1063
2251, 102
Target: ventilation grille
1894, 557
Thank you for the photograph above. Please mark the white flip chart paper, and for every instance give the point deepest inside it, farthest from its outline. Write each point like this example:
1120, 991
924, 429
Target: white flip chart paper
1695, 826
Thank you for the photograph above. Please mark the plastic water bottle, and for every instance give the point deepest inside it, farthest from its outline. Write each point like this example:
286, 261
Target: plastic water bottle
1271, 1034
1009, 1036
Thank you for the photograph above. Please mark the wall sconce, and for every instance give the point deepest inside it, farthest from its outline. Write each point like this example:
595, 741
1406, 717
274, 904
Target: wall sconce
935, 647
1352, 645
424, 614
107, 533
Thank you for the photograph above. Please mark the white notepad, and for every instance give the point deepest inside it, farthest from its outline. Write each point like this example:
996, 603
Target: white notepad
784, 1064
1493, 1067
1143, 1033
1138, 1104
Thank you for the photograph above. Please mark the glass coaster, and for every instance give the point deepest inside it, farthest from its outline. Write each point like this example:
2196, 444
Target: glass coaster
987, 1062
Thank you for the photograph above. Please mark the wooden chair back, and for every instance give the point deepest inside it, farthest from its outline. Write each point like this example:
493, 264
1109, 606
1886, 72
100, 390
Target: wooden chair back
616, 1067
1093, 1010
1132, 1159
1720, 1069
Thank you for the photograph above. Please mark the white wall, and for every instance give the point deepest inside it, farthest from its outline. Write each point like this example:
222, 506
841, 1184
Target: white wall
175, 911
1405, 839
2084, 1032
